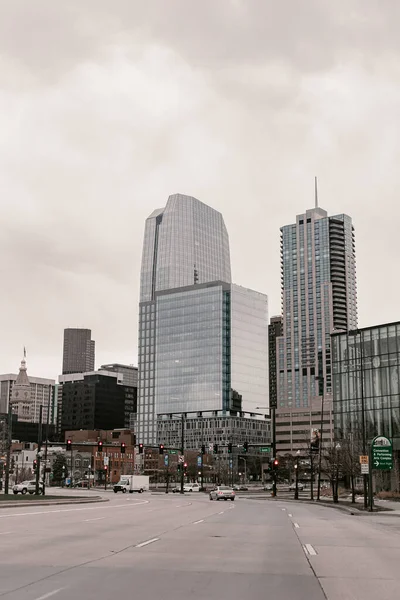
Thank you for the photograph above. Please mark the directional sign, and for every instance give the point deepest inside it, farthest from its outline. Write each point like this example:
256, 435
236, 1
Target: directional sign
181, 458
382, 453
266, 449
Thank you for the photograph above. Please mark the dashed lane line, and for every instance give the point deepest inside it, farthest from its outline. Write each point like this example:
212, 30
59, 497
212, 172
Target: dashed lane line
147, 542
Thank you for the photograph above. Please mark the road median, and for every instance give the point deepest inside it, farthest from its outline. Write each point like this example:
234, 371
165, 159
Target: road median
25, 501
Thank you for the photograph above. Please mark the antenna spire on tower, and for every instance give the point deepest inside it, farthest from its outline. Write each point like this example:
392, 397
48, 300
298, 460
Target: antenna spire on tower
316, 191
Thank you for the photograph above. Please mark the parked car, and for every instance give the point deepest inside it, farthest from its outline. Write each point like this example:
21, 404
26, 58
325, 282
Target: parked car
240, 488
191, 487
222, 492
27, 487
268, 486
83, 483
300, 486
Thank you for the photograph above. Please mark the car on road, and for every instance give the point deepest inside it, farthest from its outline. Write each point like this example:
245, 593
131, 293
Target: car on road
27, 487
191, 487
240, 488
222, 492
83, 483
268, 486
292, 486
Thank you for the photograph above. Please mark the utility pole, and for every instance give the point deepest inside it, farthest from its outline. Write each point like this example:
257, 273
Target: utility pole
39, 451
312, 475
8, 454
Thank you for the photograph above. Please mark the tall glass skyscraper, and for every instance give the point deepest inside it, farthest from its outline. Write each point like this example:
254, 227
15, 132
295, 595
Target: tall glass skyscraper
202, 341
319, 296
185, 244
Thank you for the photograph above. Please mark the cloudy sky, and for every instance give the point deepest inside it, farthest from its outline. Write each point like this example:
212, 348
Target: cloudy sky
106, 108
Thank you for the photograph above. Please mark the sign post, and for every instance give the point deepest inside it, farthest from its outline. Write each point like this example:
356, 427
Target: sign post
381, 458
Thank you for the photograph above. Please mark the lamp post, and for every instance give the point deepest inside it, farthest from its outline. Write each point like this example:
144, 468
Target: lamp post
296, 466
354, 334
273, 439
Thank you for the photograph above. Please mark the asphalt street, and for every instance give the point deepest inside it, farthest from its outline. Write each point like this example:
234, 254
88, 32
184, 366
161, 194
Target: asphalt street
152, 547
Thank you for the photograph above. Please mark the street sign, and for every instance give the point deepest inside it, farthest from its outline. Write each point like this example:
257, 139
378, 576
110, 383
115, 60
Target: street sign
382, 453
173, 451
364, 460
199, 461
166, 460
181, 458
364, 468
106, 461
266, 449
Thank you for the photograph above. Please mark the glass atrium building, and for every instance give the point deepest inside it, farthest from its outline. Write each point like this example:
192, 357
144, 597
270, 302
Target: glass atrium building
366, 375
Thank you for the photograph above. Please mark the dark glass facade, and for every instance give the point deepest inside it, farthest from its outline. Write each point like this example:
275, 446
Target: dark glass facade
366, 374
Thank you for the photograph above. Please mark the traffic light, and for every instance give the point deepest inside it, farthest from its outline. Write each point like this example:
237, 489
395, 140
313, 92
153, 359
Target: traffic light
179, 467
140, 448
100, 446
246, 447
276, 463
203, 449
69, 445
185, 468
215, 449
229, 448
161, 449
34, 465
123, 447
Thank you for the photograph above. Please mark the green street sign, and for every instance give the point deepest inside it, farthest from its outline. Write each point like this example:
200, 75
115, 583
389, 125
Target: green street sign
173, 451
382, 453
266, 449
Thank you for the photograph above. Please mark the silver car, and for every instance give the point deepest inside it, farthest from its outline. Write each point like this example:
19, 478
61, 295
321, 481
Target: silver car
222, 492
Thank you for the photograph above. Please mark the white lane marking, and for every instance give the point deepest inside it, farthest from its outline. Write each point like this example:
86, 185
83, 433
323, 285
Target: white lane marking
96, 519
148, 542
296, 525
310, 550
221, 513
283, 508
196, 522
61, 510
49, 594
290, 515
5, 532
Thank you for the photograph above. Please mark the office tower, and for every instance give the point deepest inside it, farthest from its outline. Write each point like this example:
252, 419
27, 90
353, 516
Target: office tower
129, 373
79, 349
96, 400
275, 330
318, 296
185, 243
202, 340
26, 394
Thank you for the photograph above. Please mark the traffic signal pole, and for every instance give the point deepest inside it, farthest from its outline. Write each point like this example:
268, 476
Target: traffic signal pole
273, 446
39, 451
182, 451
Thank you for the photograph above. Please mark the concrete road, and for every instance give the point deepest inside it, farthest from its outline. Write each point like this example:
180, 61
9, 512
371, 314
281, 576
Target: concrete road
152, 547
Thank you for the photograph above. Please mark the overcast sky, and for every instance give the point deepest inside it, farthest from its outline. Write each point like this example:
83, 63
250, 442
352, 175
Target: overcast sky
106, 108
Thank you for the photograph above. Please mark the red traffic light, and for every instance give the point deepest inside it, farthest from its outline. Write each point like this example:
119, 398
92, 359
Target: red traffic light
276, 462
100, 446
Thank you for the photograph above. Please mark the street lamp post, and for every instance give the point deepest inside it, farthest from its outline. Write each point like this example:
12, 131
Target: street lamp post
272, 416
354, 334
296, 466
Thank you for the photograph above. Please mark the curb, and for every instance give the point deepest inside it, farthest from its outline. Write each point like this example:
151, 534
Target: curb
346, 509
51, 502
